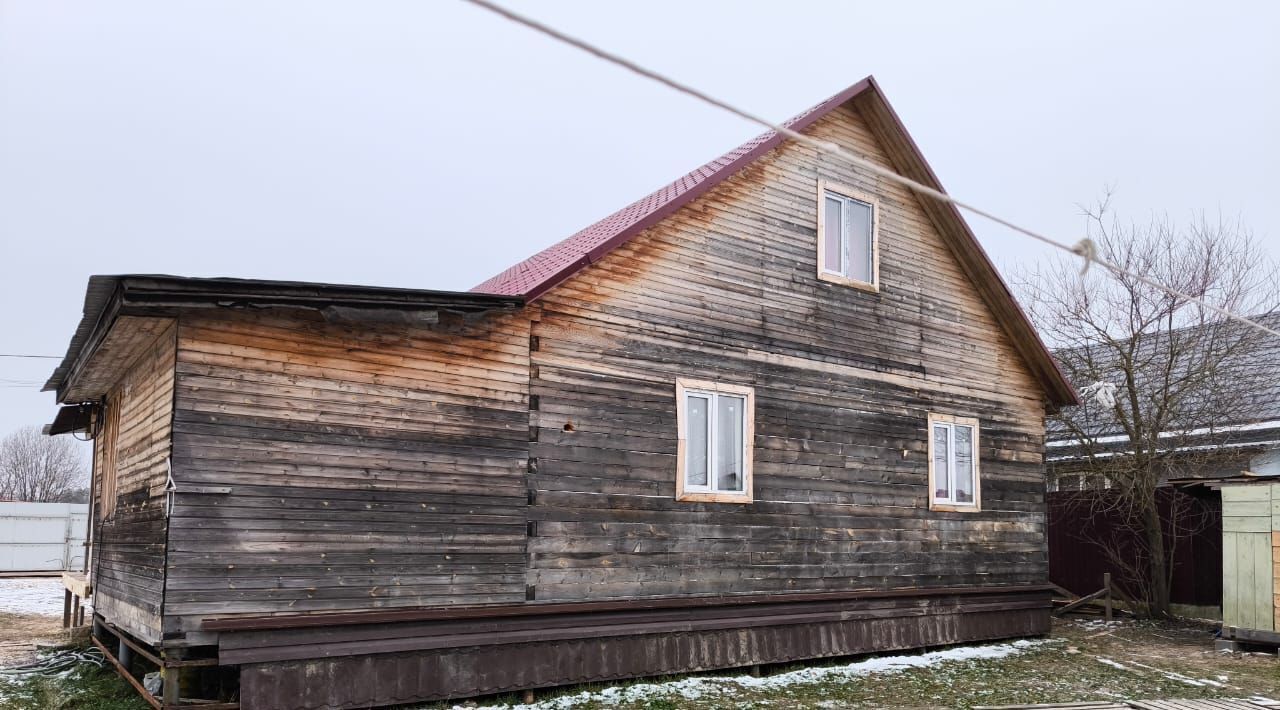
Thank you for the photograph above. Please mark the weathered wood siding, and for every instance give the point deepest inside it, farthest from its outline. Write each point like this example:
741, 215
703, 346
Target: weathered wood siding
326, 466
129, 544
726, 289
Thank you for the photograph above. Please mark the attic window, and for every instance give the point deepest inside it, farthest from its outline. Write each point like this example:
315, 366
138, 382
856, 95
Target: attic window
954, 481
716, 434
848, 244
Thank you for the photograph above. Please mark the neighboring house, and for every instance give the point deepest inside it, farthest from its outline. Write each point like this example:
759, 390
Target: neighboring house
779, 409
1231, 424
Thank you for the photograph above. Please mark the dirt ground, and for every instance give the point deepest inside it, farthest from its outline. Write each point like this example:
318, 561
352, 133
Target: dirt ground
20, 633
1175, 655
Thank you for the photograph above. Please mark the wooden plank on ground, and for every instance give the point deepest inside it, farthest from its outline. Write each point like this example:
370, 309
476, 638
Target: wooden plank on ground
1223, 704
1063, 706
1220, 704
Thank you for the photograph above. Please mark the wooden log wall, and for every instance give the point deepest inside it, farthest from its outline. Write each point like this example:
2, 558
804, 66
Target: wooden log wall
726, 289
325, 466
129, 551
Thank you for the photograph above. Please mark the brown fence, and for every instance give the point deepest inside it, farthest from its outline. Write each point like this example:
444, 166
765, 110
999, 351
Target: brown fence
1080, 520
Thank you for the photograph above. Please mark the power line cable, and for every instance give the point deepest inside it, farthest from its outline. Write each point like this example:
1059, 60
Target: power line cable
42, 357
1085, 248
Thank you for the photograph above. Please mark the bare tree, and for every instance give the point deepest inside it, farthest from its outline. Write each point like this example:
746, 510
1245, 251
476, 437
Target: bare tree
1170, 385
38, 468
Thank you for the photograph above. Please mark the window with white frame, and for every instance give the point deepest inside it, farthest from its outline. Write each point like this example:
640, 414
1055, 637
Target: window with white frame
848, 249
716, 430
954, 478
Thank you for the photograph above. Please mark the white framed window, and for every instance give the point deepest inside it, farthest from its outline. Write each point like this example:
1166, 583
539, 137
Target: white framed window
848, 239
716, 435
954, 476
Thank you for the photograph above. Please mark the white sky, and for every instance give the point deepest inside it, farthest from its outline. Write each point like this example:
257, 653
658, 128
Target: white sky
429, 144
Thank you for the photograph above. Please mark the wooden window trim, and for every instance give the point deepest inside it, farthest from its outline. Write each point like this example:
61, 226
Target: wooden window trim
824, 187
976, 505
748, 438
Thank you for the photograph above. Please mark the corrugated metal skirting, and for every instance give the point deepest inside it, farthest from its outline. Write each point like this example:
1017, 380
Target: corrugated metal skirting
647, 644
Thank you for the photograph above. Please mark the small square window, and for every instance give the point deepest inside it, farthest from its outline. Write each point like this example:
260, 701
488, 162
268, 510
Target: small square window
716, 434
848, 246
953, 463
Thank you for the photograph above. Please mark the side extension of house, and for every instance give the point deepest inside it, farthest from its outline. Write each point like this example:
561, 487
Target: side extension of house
680, 440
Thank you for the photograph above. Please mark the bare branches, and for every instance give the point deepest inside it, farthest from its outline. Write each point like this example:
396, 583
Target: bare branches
1185, 378
37, 468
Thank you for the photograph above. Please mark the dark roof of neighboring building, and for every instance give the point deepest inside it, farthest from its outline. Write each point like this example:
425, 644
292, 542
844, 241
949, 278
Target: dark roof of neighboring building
106, 296
541, 272
1239, 389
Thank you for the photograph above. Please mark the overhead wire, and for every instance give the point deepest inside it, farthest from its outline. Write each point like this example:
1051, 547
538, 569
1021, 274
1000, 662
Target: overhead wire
1085, 248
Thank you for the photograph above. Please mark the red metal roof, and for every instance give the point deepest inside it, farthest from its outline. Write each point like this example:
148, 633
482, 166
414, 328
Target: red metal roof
542, 271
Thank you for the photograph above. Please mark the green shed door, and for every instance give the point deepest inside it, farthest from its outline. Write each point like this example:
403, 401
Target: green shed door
1246, 557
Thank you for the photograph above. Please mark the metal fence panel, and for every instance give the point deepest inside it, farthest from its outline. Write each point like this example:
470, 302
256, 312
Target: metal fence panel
41, 537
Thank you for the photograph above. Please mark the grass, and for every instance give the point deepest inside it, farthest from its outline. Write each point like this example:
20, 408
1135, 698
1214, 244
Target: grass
1147, 661
86, 688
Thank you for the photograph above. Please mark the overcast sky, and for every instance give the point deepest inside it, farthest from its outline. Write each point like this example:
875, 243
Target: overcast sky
429, 144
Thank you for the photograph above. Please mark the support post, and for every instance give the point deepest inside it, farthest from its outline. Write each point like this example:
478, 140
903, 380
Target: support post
171, 690
124, 653
66, 608
1106, 584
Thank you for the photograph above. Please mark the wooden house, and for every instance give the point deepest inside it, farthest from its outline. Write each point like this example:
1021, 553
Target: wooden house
779, 409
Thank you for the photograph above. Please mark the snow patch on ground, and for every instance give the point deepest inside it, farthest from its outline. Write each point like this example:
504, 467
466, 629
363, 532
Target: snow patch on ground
710, 686
1168, 675
1113, 664
1098, 624
31, 595
1171, 675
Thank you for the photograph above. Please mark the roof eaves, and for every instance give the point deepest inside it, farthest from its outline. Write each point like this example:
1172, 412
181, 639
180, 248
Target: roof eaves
1019, 327
106, 297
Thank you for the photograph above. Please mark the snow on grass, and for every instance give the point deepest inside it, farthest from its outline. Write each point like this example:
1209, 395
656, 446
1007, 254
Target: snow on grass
31, 595
1113, 664
1098, 624
1168, 675
695, 688
1172, 675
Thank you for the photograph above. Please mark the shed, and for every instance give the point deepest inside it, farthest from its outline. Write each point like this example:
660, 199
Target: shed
1250, 545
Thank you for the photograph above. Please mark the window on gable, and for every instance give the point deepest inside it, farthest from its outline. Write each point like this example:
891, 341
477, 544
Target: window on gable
954, 480
848, 249
715, 441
